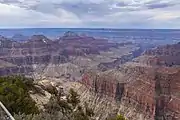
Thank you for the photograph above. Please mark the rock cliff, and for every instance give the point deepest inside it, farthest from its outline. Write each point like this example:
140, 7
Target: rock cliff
168, 55
40, 54
144, 88
148, 89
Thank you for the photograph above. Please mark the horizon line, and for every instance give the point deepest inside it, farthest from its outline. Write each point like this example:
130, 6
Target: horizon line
92, 28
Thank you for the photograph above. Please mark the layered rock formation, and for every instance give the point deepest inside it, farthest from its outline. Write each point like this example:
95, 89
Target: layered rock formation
168, 55
7, 68
20, 37
126, 85
40, 56
145, 90
167, 94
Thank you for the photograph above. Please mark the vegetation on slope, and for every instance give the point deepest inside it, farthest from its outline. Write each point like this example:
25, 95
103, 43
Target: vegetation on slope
59, 108
118, 117
15, 96
69, 107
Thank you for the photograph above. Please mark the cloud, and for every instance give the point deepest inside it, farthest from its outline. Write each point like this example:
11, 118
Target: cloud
166, 17
90, 13
160, 4
13, 16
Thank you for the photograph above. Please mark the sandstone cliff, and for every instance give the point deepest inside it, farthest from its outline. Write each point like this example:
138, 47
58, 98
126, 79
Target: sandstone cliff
168, 55
143, 89
39, 55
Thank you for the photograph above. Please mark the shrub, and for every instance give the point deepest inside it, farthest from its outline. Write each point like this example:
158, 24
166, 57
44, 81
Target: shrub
70, 108
14, 95
73, 98
118, 117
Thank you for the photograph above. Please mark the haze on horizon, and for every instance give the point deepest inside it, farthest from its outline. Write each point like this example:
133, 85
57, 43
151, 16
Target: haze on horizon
90, 14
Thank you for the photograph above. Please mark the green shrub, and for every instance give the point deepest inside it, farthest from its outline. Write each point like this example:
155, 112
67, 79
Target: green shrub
40, 116
73, 98
14, 95
70, 108
118, 117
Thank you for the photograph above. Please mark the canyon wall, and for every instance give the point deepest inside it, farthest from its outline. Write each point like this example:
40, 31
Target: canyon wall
149, 85
39, 55
150, 92
168, 55
127, 86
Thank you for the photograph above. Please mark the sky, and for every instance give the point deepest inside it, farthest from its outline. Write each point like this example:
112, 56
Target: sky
152, 14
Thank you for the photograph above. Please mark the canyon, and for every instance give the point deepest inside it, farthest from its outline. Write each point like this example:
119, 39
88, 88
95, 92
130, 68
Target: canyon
72, 52
148, 85
114, 77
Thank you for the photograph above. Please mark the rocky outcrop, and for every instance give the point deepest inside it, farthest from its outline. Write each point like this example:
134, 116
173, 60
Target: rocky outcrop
116, 63
7, 68
19, 37
41, 59
121, 60
147, 85
168, 55
126, 86
152, 92
5, 43
167, 94
16, 70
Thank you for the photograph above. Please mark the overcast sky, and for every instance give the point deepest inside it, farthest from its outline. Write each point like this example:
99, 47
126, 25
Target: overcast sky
90, 13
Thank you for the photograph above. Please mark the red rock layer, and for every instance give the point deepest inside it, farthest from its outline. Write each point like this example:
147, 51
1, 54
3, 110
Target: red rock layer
168, 55
153, 92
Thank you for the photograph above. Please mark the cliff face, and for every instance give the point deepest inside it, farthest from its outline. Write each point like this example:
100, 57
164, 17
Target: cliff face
35, 59
39, 54
168, 55
127, 87
149, 88
128, 56
167, 94
16, 70
146, 88
149, 91
7, 68
122, 60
